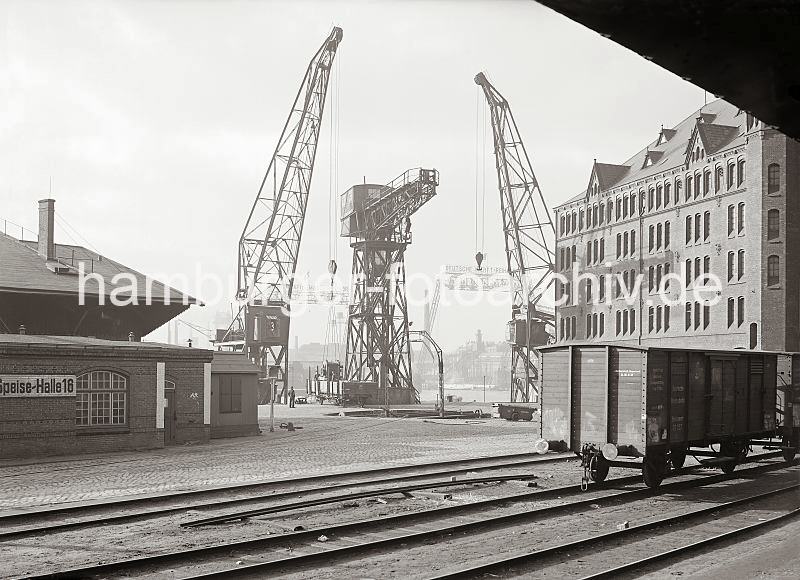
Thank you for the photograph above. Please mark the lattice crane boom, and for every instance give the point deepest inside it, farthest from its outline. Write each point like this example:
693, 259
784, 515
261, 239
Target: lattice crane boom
270, 242
529, 234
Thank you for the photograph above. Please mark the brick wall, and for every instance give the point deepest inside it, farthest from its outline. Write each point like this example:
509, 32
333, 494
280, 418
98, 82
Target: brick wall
47, 426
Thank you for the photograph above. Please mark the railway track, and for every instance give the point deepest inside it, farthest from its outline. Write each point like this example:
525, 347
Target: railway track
509, 565
25, 529
406, 529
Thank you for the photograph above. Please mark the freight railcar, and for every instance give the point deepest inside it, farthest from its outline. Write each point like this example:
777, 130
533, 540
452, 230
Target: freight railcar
651, 407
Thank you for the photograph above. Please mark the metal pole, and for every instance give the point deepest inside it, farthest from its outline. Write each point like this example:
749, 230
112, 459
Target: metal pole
484, 388
382, 381
441, 388
272, 406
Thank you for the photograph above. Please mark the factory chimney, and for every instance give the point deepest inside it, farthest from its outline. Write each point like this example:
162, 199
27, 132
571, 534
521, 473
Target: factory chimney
47, 247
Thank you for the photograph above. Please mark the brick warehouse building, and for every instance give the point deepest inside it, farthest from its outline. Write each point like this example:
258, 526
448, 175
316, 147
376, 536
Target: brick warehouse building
114, 395
718, 194
76, 378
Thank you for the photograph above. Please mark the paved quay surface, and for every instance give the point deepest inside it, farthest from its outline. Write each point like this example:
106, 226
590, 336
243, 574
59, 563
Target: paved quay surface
325, 444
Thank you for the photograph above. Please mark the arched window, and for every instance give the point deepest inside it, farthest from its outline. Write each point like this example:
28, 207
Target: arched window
730, 174
697, 185
678, 186
101, 399
773, 178
740, 172
667, 188
773, 270
562, 223
689, 180
773, 224
719, 175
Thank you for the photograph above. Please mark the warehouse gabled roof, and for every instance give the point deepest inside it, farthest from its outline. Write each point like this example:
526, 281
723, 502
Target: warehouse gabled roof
23, 270
723, 126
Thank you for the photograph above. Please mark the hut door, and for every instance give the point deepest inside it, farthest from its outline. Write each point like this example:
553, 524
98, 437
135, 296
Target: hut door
722, 397
170, 414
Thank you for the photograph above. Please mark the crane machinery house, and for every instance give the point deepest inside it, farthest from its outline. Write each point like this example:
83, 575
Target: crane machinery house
74, 375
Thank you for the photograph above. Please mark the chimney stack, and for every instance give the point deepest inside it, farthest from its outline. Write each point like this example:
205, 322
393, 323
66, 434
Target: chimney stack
47, 247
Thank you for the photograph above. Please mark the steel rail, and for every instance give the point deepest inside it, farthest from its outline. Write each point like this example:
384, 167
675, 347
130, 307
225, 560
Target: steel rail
743, 531
5, 517
116, 519
500, 564
401, 519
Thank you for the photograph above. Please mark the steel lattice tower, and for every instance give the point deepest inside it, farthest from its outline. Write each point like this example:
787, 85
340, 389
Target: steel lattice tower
529, 235
378, 218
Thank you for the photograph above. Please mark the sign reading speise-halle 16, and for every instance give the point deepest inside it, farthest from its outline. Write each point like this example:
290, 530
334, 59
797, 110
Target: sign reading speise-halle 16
37, 385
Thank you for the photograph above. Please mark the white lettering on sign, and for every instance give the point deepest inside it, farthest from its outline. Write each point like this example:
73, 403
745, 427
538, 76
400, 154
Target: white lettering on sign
37, 385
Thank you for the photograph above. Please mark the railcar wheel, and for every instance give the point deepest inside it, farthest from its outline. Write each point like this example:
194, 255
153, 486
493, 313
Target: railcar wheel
515, 416
653, 472
677, 457
598, 469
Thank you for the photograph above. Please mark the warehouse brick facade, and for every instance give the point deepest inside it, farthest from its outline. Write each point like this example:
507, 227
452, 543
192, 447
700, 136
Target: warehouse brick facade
121, 398
717, 196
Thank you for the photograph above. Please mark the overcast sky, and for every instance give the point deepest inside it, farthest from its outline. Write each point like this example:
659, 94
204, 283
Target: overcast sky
155, 122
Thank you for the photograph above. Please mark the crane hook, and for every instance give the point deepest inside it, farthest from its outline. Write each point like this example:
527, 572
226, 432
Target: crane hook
479, 259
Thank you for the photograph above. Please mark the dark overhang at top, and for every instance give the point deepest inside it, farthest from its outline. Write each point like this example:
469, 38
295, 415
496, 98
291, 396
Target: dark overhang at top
744, 51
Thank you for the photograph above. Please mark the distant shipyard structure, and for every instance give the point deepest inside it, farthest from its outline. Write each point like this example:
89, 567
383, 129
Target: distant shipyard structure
716, 197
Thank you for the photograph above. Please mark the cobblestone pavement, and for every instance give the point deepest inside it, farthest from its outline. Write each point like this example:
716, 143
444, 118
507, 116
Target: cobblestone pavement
325, 444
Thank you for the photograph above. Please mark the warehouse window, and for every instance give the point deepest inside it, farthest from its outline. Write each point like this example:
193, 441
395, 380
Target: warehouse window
773, 224
740, 310
688, 229
602, 215
740, 172
706, 182
696, 315
697, 186
618, 324
719, 175
624, 325
602, 249
773, 178
101, 399
730, 174
678, 186
651, 238
773, 270
697, 227
619, 245
666, 318
740, 264
667, 188
632, 202
666, 236
625, 245
650, 319
632, 314
706, 225
588, 325
688, 272
741, 217
731, 218
601, 289
609, 210
574, 326
707, 266
659, 236
689, 180
731, 311
706, 314
230, 394
563, 224
688, 315
633, 241
730, 266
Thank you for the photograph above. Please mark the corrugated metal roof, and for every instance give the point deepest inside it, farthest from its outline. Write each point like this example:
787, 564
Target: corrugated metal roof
23, 270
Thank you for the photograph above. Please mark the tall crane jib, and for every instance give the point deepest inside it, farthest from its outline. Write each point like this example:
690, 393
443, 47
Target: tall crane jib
529, 235
377, 219
270, 242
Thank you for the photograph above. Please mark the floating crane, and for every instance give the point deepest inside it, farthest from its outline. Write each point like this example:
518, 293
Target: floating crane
529, 235
378, 220
270, 242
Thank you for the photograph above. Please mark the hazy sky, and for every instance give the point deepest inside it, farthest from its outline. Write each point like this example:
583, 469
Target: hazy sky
156, 120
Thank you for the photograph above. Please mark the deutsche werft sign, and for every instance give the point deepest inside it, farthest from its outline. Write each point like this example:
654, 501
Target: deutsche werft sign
37, 385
